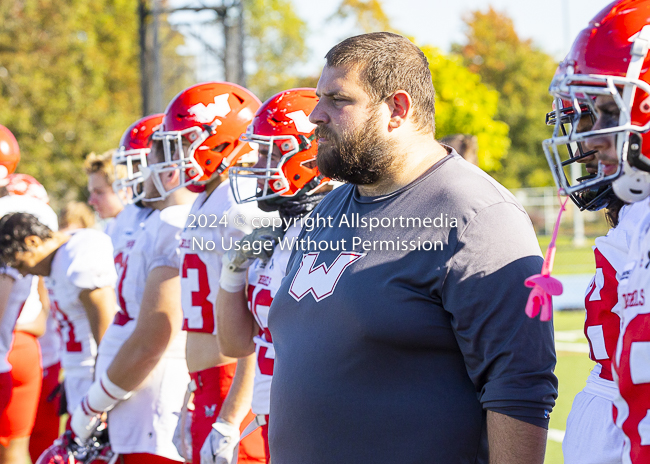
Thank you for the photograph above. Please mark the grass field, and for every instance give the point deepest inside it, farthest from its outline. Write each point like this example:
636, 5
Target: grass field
570, 259
572, 369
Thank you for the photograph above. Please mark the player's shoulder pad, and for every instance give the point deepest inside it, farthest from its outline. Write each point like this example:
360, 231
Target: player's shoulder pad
175, 216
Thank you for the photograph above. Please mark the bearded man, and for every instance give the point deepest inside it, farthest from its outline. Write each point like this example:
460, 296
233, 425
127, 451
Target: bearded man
394, 350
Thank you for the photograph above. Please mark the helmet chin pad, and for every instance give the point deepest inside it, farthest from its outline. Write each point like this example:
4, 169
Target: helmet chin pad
632, 186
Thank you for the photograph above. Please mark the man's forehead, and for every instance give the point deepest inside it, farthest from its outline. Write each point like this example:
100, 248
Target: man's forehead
339, 79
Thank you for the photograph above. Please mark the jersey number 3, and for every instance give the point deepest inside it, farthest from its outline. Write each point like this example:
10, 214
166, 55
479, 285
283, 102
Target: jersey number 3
195, 289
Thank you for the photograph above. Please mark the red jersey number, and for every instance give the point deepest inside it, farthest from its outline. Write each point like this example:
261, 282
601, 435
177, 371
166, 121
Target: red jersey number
262, 298
65, 325
200, 295
122, 316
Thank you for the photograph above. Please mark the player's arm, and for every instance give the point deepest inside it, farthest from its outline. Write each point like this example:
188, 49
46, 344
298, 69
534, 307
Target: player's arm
219, 446
236, 325
159, 322
238, 402
99, 304
512, 441
6, 284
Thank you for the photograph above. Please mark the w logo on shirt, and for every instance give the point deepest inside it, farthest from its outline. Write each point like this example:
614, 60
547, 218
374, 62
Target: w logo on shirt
320, 281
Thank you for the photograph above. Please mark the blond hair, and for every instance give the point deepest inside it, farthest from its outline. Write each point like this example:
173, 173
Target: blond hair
103, 163
76, 215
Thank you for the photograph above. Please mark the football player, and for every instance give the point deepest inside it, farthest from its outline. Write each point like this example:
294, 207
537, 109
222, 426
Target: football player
23, 193
591, 433
289, 182
141, 371
80, 279
616, 90
18, 404
106, 203
204, 123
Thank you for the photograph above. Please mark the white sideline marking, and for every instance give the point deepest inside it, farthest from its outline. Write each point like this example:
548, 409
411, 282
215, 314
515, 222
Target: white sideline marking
570, 335
556, 435
572, 347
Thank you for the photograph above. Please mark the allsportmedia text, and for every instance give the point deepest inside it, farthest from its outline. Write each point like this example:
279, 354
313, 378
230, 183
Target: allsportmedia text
355, 220
309, 223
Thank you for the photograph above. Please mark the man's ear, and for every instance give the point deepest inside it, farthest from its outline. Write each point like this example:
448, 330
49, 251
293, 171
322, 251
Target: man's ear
33, 241
400, 106
171, 179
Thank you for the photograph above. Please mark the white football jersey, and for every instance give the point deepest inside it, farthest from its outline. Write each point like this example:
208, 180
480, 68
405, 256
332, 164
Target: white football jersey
214, 223
632, 361
264, 281
19, 294
32, 307
125, 225
602, 319
50, 343
22, 287
145, 423
85, 261
155, 245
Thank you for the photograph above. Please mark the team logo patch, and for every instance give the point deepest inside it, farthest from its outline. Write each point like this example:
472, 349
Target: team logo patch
206, 113
210, 410
320, 281
301, 121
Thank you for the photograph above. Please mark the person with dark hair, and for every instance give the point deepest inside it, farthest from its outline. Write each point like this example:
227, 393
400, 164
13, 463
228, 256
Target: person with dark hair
80, 278
399, 330
465, 145
21, 321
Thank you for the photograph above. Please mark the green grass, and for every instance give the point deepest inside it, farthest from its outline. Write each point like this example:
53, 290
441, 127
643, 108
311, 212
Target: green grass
568, 258
572, 370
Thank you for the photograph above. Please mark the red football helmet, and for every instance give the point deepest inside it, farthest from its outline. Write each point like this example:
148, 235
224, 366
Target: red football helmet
23, 184
610, 58
282, 126
135, 145
65, 450
200, 132
9, 152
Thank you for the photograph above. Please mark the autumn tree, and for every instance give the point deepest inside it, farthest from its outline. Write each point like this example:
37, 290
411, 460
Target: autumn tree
521, 73
466, 105
275, 39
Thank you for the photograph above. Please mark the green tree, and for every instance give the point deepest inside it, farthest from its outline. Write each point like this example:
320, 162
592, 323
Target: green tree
275, 37
69, 83
465, 105
521, 73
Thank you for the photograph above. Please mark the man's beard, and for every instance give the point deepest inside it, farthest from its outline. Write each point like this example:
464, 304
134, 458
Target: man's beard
359, 157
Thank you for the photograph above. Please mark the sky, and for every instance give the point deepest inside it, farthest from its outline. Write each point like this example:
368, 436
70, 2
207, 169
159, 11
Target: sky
552, 24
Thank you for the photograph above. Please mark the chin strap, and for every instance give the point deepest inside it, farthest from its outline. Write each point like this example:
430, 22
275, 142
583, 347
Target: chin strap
543, 285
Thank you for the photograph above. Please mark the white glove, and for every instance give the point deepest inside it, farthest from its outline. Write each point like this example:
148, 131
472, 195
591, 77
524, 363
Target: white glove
221, 444
182, 439
102, 396
83, 423
258, 244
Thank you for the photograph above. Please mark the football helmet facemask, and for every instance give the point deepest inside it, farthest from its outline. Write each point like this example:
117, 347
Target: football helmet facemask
286, 169
608, 58
200, 133
588, 198
131, 156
